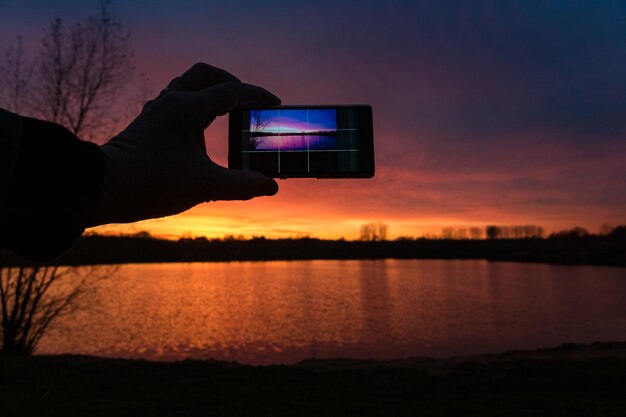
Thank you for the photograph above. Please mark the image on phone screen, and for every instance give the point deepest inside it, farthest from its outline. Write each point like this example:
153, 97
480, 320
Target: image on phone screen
300, 141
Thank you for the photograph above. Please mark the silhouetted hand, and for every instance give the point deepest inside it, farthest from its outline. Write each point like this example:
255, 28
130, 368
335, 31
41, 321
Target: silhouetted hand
158, 165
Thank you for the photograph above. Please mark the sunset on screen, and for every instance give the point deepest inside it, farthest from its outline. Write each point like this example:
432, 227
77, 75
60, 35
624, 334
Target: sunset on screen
295, 121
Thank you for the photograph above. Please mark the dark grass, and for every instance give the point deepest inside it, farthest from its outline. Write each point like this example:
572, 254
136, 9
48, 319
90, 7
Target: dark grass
571, 380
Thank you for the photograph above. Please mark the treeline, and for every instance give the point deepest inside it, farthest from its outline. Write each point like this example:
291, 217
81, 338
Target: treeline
565, 248
516, 232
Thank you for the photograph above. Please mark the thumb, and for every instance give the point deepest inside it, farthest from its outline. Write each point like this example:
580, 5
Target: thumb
236, 184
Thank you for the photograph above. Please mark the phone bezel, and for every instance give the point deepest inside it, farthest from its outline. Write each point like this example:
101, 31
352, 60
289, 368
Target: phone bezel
366, 141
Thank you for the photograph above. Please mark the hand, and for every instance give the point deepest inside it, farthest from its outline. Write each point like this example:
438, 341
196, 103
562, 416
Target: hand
158, 165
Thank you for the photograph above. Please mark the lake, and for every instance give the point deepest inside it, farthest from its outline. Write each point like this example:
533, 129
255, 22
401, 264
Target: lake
296, 142
288, 311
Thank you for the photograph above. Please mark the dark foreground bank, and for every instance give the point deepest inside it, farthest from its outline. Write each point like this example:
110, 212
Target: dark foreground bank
565, 381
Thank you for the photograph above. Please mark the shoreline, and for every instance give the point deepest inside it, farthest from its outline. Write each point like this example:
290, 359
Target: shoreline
564, 350
570, 379
589, 250
229, 260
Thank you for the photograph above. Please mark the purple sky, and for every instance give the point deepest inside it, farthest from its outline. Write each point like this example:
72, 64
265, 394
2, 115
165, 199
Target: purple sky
296, 120
484, 112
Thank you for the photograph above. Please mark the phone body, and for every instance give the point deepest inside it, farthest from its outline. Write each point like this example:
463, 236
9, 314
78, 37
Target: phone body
298, 141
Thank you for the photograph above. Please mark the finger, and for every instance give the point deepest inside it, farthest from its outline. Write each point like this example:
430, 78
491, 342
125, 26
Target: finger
236, 184
221, 99
201, 76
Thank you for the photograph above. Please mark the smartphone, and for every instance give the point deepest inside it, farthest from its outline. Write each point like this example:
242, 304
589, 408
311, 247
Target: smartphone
303, 141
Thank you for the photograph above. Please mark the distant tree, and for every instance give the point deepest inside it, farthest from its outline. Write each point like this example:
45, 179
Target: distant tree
580, 231
461, 233
232, 238
447, 233
475, 233
514, 232
618, 232
576, 232
493, 232
374, 232
606, 229
141, 234
532, 231
75, 78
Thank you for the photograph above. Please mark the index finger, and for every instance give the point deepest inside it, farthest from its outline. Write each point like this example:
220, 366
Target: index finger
223, 98
201, 76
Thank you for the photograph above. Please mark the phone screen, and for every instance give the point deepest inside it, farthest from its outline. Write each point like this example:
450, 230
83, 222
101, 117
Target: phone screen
303, 141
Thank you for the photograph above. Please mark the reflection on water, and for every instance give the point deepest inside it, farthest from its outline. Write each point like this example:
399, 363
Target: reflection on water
296, 142
284, 312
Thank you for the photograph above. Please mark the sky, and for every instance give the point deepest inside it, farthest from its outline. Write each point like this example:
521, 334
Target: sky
485, 112
314, 120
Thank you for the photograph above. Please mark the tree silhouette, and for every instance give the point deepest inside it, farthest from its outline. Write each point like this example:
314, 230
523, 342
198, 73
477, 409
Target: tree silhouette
374, 232
258, 121
574, 233
447, 233
76, 76
492, 232
33, 296
475, 233
606, 229
514, 232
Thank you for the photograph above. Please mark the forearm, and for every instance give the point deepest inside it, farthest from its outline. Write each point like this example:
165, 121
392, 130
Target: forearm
52, 185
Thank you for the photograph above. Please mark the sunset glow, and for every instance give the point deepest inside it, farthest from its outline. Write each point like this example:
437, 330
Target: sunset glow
488, 114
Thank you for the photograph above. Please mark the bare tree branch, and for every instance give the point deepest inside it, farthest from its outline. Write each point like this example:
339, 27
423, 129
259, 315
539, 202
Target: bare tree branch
76, 78
33, 297
15, 78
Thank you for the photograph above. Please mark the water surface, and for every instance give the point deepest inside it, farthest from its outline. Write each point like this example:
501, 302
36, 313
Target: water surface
284, 312
296, 142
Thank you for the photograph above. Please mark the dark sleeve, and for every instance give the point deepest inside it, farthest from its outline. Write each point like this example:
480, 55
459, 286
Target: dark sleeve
53, 183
